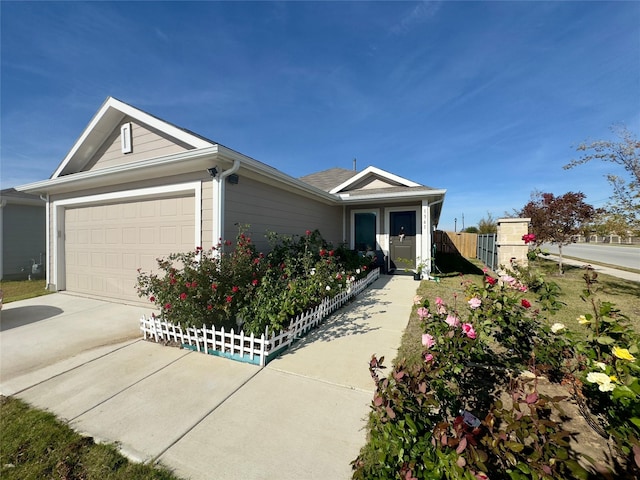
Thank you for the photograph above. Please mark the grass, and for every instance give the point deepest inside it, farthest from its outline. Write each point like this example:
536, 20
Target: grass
455, 269
34, 445
22, 289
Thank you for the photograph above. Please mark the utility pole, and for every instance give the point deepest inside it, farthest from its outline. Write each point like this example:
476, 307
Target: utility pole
455, 225
462, 222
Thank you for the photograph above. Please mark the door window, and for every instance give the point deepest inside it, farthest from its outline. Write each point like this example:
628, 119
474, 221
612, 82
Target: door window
365, 231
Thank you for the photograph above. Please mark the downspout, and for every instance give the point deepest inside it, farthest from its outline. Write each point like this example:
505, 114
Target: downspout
218, 232
47, 237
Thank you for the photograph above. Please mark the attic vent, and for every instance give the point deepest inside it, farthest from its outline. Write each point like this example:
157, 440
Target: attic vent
125, 138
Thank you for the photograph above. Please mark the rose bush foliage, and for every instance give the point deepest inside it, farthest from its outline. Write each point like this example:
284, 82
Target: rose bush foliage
439, 419
233, 285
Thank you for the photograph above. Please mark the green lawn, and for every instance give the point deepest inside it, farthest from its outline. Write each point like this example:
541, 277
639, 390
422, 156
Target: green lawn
22, 289
624, 293
34, 445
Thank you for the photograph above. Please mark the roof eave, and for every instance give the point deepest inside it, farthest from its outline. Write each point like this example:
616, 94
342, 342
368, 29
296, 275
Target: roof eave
182, 162
111, 112
413, 195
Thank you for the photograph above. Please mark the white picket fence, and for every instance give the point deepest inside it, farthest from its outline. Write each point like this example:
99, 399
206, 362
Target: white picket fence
249, 348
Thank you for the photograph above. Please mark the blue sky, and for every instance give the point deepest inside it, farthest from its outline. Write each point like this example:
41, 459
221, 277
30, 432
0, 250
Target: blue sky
485, 99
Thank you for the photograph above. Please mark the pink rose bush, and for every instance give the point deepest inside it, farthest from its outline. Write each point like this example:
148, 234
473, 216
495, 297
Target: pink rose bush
233, 282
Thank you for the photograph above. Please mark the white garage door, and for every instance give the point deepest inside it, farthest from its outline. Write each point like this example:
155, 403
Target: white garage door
106, 244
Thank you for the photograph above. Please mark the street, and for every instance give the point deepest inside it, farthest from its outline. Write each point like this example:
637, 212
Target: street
624, 256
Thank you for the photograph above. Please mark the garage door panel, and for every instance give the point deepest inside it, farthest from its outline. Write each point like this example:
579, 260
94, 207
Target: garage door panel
106, 244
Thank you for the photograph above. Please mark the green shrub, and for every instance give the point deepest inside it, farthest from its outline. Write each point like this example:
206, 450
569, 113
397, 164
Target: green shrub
443, 418
233, 285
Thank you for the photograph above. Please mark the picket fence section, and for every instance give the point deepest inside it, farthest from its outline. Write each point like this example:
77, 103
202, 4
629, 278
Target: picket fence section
249, 348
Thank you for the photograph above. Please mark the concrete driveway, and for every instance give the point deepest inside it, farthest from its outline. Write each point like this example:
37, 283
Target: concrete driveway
303, 416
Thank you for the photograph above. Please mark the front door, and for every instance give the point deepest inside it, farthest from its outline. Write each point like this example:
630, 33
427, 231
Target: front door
402, 240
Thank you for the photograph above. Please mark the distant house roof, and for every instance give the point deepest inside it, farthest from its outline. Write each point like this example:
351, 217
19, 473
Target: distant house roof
327, 180
11, 195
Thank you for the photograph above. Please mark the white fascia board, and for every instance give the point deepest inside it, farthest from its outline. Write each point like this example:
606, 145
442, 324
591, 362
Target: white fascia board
129, 168
345, 197
133, 112
139, 193
375, 171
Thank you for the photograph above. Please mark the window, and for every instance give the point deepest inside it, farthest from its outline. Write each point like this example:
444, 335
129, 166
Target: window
365, 231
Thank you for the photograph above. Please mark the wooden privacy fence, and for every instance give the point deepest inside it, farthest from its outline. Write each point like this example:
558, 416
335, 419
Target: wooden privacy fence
456, 242
249, 348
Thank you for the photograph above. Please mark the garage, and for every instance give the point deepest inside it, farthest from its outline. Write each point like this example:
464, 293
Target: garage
106, 243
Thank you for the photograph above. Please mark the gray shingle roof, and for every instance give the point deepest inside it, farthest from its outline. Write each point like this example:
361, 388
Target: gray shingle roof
329, 179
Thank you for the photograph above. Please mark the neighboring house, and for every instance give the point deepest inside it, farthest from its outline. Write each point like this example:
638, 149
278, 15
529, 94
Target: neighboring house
134, 188
22, 235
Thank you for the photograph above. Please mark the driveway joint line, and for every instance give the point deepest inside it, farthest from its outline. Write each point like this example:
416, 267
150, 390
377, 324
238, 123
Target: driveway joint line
327, 382
76, 367
198, 422
130, 386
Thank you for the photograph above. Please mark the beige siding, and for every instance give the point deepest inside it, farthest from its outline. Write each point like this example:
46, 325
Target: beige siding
23, 231
370, 183
207, 215
266, 208
147, 143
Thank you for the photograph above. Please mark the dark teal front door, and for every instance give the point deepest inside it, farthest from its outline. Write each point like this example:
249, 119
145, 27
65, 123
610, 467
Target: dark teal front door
402, 240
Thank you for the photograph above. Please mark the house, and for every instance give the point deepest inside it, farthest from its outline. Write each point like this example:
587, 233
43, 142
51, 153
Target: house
22, 235
134, 188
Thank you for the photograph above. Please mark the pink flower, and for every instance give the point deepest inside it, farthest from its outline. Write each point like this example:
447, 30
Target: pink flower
308, 232
485, 270
428, 340
525, 303
167, 306
214, 286
235, 289
152, 298
209, 307
439, 301
467, 328
529, 238
229, 299
508, 279
417, 300
422, 312
187, 284
490, 280
254, 282
428, 357
183, 296
475, 302
452, 321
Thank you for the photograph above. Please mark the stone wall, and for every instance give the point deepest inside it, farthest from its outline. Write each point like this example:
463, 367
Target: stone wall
511, 247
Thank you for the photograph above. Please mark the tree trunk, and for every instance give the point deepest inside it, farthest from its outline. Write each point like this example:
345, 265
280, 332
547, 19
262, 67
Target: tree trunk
560, 258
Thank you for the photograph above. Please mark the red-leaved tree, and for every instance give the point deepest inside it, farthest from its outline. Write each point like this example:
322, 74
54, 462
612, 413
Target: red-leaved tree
557, 219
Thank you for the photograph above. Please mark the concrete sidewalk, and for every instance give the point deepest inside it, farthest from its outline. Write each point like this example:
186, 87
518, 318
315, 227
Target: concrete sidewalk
303, 416
614, 272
